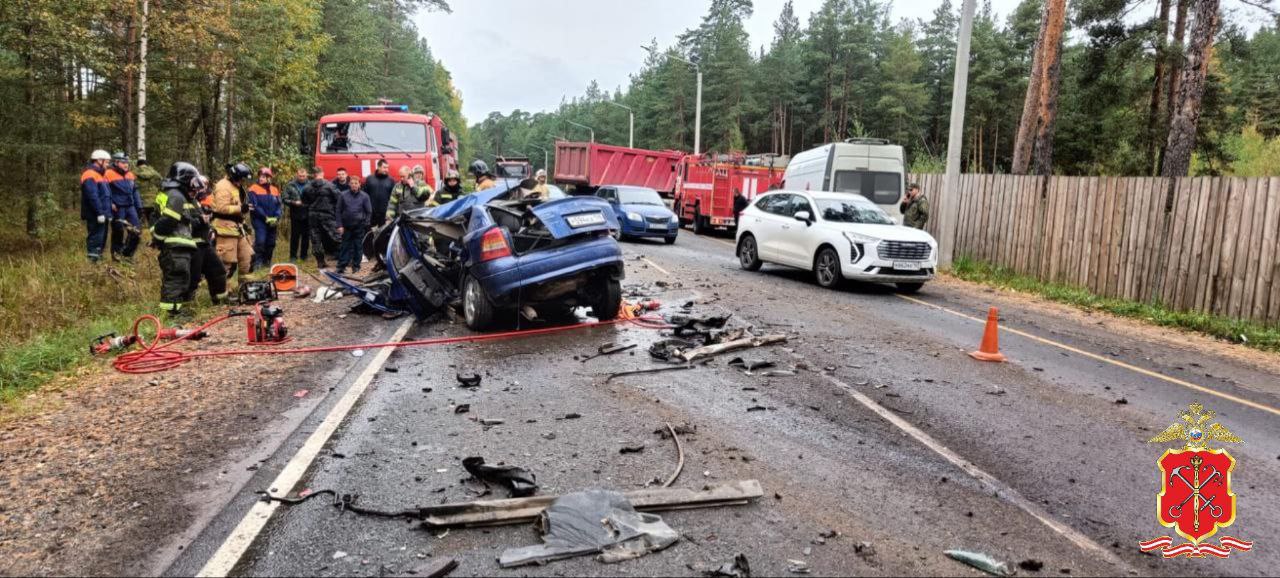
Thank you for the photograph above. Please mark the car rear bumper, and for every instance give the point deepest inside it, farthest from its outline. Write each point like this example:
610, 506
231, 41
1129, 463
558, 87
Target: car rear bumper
509, 279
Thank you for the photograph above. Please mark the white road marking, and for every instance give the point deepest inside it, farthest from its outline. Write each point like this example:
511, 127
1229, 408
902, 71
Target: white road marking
655, 266
1096, 357
233, 548
996, 486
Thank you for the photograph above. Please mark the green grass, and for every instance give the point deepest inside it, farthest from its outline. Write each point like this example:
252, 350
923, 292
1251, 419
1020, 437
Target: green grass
1248, 333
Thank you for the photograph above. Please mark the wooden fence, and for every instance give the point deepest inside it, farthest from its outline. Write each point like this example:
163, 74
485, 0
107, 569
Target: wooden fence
1215, 249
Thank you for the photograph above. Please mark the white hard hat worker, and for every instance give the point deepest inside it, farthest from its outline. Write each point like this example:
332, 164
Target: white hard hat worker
541, 175
100, 155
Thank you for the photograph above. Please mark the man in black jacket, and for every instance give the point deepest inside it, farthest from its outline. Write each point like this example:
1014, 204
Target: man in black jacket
378, 186
321, 199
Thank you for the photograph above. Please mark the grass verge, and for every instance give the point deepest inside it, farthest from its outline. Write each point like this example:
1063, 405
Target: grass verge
1248, 333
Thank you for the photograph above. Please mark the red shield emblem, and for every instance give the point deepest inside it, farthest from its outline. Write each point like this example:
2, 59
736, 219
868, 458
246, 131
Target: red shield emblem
1196, 499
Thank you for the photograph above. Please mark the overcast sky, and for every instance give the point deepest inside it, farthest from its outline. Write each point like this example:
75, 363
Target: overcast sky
509, 54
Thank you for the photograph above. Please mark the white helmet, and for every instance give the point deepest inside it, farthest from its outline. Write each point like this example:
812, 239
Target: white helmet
100, 155
541, 174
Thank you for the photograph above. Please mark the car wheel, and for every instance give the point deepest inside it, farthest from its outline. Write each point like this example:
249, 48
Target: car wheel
606, 299
749, 253
909, 287
670, 240
476, 307
826, 268
698, 226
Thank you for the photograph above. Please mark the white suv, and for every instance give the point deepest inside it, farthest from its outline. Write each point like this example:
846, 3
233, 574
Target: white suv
838, 236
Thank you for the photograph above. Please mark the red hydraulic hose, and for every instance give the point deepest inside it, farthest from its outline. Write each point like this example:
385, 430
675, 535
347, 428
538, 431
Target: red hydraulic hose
156, 357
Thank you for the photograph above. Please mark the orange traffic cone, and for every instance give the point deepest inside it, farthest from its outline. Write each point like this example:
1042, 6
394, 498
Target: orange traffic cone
990, 350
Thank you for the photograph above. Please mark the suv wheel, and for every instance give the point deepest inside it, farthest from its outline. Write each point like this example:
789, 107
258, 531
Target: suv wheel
749, 253
826, 268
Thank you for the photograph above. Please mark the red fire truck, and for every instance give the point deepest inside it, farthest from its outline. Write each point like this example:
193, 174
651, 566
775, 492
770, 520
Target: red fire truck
705, 186
355, 140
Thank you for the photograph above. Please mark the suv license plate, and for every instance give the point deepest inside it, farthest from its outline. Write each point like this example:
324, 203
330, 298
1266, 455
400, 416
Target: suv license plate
585, 220
906, 265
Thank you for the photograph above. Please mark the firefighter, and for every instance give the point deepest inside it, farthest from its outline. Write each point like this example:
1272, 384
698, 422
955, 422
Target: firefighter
451, 190
267, 208
205, 263
125, 228
321, 200
407, 195
148, 188
484, 178
172, 234
95, 203
541, 188
230, 206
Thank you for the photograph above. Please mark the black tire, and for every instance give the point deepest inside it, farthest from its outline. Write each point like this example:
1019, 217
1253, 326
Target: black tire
909, 287
669, 240
699, 227
606, 299
826, 268
749, 253
477, 309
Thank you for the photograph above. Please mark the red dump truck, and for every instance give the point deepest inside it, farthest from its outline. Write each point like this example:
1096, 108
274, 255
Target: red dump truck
705, 186
587, 165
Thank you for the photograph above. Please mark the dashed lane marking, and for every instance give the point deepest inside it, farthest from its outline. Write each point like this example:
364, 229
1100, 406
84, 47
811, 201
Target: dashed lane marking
1117, 363
233, 548
655, 266
993, 484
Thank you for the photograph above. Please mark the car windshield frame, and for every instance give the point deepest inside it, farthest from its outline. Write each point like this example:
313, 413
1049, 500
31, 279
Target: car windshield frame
388, 137
867, 213
625, 197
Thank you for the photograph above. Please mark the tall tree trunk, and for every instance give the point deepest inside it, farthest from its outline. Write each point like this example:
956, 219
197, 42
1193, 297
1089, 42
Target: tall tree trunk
1025, 136
29, 98
1036, 108
228, 140
1048, 120
141, 148
126, 84
1157, 84
1195, 69
1174, 74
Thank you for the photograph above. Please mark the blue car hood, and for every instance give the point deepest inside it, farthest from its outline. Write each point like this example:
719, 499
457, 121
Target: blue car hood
555, 215
646, 210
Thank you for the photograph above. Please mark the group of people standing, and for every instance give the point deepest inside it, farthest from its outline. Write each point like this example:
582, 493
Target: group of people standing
214, 233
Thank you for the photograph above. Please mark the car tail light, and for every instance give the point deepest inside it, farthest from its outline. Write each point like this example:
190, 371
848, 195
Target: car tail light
493, 245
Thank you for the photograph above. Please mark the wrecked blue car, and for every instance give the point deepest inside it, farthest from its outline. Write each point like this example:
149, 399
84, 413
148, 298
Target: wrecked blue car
496, 254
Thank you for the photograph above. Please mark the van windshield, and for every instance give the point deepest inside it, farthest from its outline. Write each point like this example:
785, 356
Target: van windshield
373, 137
880, 188
852, 211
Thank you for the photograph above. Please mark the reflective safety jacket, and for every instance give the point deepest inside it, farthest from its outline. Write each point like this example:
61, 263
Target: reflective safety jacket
230, 203
123, 188
95, 199
407, 198
448, 194
173, 227
267, 207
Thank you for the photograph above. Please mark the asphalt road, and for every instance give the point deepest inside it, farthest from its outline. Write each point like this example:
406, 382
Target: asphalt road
1056, 467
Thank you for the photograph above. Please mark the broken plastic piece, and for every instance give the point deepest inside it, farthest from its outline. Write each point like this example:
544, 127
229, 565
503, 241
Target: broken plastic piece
589, 522
521, 483
469, 381
750, 365
980, 561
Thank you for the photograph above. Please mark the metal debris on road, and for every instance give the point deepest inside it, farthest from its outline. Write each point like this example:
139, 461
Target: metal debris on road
746, 342
518, 481
980, 561
797, 567
679, 456
591, 522
631, 449
1031, 565
613, 376
750, 365
608, 349
736, 568
437, 568
469, 381
462, 408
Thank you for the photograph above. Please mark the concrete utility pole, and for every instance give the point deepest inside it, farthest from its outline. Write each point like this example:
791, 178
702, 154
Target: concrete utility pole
545, 156
631, 123
947, 217
593, 131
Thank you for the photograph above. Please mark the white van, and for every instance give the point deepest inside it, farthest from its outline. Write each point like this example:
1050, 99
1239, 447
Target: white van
870, 167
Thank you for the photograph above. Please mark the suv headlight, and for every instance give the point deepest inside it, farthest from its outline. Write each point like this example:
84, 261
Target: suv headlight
859, 238
635, 217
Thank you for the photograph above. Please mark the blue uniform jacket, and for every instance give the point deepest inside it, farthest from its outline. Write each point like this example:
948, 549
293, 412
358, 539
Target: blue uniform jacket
95, 200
